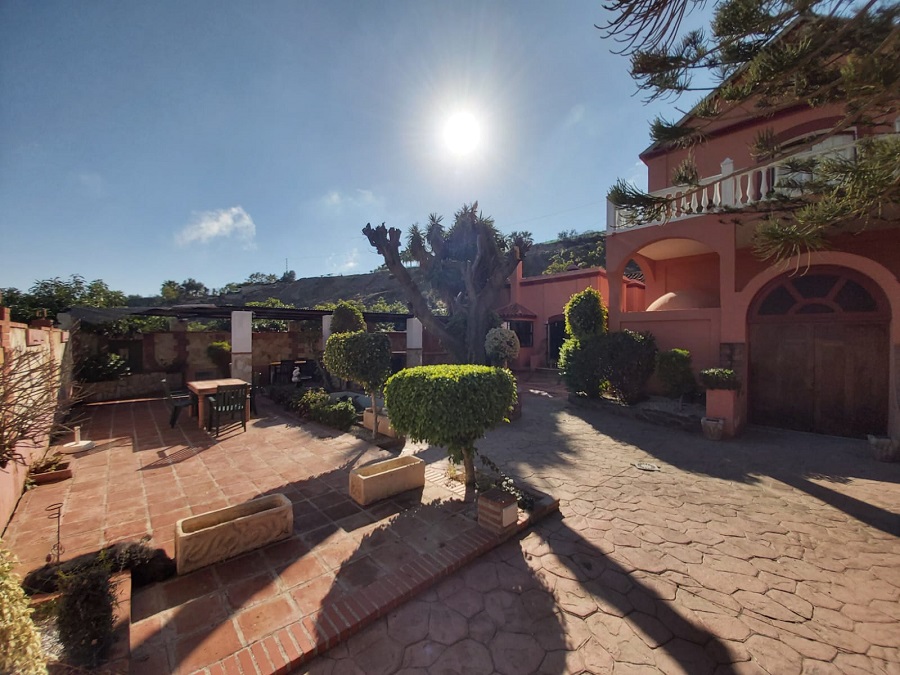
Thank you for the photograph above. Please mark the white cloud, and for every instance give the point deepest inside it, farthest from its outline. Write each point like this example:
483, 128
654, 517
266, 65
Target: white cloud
337, 201
346, 263
228, 223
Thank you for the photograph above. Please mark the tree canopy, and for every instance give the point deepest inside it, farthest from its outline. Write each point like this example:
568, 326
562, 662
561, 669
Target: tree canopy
465, 265
768, 57
51, 296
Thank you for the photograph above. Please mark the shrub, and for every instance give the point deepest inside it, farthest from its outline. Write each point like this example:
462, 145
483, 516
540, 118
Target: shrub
102, 368
85, 612
282, 394
628, 360
20, 643
673, 367
720, 378
450, 405
317, 405
361, 357
346, 318
501, 345
585, 314
580, 365
220, 354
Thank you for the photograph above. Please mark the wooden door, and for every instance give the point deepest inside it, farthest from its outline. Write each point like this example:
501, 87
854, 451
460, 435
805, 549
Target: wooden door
819, 356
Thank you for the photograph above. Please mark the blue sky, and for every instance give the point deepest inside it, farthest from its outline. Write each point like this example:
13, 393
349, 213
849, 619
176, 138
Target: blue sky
148, 141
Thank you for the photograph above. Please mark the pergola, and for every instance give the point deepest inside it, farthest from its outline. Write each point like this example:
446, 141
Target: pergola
241, 317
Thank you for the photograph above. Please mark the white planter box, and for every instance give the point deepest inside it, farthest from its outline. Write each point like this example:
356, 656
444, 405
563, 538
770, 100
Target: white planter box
384, 423
218, 535
383, 479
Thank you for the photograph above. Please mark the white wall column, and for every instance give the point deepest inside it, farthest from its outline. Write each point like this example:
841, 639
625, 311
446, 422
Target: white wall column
242, 346
413, 342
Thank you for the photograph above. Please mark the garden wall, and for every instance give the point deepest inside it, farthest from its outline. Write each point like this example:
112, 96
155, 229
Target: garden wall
52, 343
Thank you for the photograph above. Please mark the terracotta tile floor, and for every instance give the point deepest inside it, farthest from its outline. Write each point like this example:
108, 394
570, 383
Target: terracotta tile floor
344, 565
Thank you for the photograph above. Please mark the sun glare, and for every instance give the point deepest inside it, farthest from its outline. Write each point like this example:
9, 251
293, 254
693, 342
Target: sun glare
462, 133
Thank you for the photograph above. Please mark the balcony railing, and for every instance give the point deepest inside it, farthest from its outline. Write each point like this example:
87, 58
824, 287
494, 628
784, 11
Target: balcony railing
729, 190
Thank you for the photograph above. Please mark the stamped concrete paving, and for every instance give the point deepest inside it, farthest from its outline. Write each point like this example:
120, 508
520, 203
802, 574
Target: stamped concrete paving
776, 553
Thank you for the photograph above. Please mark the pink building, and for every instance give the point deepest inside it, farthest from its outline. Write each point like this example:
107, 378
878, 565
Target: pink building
534, 309
816, 341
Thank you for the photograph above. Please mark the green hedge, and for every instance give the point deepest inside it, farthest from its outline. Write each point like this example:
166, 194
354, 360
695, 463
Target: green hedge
20, 642
580, 364
629, 359
720, 378
450, 405
346, 318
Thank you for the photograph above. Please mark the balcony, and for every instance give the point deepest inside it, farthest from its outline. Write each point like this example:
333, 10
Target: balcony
729, 190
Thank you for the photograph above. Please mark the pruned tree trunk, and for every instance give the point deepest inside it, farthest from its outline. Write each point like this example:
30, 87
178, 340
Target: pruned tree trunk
469, 464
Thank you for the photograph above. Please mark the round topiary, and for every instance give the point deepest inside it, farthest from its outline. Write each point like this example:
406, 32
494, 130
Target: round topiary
361, 357
20, 643
450, 405
501, 345
347, 318
585, 314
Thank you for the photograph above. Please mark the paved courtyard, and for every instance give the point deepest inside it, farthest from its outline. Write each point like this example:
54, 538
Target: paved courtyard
776, 553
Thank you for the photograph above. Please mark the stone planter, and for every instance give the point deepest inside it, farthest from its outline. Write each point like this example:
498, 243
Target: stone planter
384, 479
884, 448
384, 423
218, 535
713, 427
62, 472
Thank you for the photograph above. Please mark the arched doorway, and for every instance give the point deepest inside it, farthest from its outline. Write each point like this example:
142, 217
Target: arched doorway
819, 353
556, 335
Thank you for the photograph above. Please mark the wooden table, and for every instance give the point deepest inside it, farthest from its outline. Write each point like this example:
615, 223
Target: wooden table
204, 388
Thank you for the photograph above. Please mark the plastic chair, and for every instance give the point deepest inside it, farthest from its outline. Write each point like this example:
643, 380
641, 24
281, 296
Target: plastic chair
228, 400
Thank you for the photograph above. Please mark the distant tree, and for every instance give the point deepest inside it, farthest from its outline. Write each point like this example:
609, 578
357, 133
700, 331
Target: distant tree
290, 275
51, 296
269, 325
260, 278
586, 250
189, 289
767, 56
466, 266
170, 291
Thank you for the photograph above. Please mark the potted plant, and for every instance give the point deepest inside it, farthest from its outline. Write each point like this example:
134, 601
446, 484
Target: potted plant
722, 389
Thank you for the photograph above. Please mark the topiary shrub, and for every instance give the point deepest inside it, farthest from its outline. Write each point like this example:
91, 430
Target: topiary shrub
501, 345
673, 368
580, 357
20, 643
720, 378
581, 367
85, 614
346, 318
361, 357
628, 361
585, 314
450, 405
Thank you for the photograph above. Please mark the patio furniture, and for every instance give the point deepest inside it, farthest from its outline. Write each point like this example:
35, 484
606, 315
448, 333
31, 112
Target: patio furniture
284, 372
175, 401
229, 400
205, 388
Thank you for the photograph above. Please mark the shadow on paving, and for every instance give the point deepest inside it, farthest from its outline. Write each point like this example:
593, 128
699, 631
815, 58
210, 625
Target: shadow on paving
273, 587
794, 458
645, 605
465, 623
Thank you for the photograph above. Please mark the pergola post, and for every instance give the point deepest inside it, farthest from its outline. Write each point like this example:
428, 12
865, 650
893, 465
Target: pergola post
413, 342
242, 346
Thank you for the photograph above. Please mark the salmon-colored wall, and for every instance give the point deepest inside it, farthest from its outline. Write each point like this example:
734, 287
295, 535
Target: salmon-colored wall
53, 343
731, 139
695, 273
696, 330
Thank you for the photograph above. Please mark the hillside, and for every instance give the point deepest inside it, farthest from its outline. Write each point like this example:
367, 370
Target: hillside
369, 287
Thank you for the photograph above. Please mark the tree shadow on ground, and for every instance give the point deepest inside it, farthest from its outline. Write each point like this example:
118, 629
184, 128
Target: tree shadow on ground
494, 615
631, 615
800, 460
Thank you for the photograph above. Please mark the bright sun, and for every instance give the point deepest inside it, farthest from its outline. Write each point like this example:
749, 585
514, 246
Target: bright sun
461, 133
